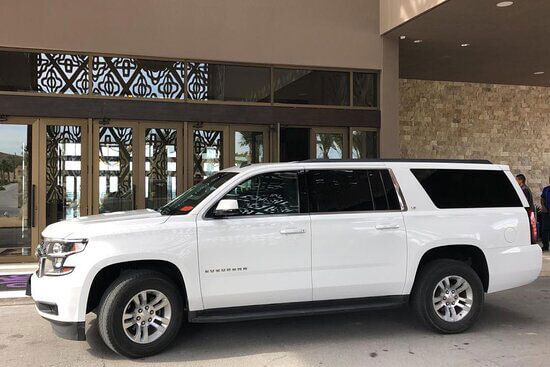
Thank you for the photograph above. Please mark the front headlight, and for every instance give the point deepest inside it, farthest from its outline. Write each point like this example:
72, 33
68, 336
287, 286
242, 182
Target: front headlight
57, 251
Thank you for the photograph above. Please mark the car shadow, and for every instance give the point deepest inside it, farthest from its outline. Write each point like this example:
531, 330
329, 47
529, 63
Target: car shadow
202, 342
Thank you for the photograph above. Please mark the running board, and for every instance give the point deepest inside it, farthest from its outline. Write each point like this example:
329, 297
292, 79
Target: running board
297, 309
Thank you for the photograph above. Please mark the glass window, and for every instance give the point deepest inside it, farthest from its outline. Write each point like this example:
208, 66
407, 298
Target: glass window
249, 147
16, 147
43, 72
219, 82
63, 172
207, 153
267, 194
184, 203
314, 87
124, 76
351, 191
364, 144
329, 146
116, 191
339, 191
461, 188
160, 166
365, 89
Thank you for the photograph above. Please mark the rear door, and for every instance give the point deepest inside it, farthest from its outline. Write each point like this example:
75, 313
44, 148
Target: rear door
359, 244
262, 255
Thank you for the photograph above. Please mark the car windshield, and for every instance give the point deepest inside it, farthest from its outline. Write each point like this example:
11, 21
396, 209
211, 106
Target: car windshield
184, 203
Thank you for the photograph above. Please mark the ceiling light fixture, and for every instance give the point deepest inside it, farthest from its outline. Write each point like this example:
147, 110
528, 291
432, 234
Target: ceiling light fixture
504, 4
465, 45
538, 72
417, 41
402, 37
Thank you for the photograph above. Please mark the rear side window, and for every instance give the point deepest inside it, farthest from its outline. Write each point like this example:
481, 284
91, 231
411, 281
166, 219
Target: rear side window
458, 188
350, 191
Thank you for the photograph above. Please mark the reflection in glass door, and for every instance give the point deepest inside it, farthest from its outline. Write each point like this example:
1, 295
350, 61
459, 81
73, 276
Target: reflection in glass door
116, 187
364, 143
63, 174
249, 144
17, 191
208, 152
329, 143
160, 166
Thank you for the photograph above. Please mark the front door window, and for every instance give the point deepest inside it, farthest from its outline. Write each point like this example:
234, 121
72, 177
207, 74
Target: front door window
15, 189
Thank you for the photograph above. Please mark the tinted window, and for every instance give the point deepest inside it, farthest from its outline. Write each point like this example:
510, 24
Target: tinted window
365, 87
457, 188
351, 190
221, 82
269, 193
318, 87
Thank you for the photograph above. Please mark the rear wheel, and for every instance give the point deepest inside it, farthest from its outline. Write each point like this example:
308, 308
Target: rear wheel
140, 314
448, 296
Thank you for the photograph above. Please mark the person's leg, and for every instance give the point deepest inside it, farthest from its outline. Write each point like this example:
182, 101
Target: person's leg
545, 231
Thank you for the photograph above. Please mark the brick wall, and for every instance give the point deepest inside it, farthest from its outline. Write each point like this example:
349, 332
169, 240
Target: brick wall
503, 123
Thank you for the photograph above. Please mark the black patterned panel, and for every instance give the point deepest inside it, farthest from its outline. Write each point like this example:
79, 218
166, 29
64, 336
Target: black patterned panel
197, 80
62, 73
123, 76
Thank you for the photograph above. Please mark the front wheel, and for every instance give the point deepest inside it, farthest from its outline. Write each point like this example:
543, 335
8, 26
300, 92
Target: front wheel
140, 314
448, 296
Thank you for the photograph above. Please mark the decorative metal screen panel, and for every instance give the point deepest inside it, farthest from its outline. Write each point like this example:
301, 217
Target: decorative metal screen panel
123, 76
62, 73
197, 80
160, 166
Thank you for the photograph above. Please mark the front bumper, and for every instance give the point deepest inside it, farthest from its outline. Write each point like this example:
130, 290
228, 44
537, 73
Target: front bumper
69, 330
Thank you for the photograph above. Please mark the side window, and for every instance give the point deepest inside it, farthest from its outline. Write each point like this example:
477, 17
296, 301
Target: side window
338, 191
267, 194
463, 188
383, 190
351, 191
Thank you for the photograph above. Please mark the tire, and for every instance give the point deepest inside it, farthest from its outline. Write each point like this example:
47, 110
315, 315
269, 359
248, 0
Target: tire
430, 292
130, 291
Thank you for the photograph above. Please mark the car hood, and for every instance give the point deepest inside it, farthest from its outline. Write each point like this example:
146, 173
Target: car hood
84, 227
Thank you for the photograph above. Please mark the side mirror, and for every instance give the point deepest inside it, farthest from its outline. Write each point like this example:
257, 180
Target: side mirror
227, 207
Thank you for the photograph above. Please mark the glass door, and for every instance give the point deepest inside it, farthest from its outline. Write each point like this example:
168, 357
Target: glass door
114, 158
162, 153
210, 151
63, 173
364, 143
329, 143
18, 189
249, 144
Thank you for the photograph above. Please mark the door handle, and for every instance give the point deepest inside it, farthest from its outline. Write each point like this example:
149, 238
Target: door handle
387, 226
292, 230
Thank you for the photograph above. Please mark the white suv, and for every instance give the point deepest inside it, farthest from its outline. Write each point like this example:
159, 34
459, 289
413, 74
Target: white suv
290, 239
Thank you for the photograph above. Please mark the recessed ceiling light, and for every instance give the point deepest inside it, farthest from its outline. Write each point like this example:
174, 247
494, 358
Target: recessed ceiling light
402, 37
417, 41
465, 45
504, 4
538, 72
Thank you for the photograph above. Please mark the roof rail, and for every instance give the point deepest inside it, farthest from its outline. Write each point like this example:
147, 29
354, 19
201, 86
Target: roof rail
476, 161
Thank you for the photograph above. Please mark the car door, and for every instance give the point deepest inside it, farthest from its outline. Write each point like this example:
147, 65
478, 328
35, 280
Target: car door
262, 255
359, 244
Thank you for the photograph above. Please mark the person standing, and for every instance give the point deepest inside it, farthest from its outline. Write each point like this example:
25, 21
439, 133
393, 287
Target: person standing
545, 208
522, 181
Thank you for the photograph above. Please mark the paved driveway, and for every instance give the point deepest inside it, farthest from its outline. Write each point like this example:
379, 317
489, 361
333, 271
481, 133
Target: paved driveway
514, 330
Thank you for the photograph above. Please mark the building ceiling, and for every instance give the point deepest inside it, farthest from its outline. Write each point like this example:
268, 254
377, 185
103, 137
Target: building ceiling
507, 45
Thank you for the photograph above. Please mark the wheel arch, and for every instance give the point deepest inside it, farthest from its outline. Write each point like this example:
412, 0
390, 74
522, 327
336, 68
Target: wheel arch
107, 275
470, 254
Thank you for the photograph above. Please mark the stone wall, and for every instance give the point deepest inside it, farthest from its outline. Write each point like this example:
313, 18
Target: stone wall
503, 123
